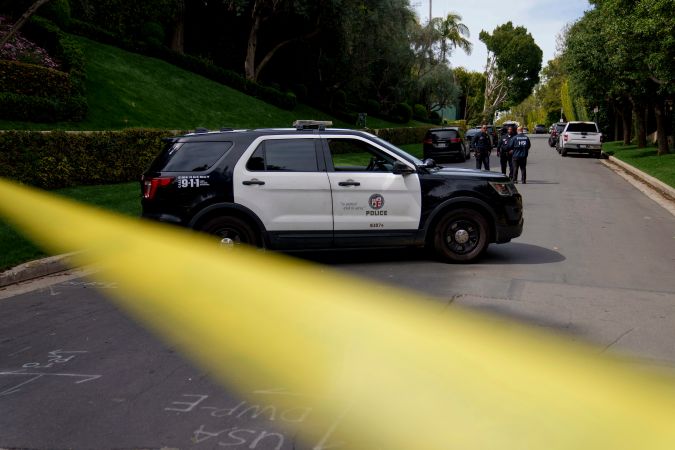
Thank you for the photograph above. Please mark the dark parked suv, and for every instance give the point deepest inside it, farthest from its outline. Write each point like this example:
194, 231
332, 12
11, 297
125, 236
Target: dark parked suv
445, 143
540, 129
313, 187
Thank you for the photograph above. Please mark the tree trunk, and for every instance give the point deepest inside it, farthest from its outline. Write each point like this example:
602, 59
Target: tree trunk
249, 64
627, 119
19, 23
178, 38
661, 132
641, 116
617, 125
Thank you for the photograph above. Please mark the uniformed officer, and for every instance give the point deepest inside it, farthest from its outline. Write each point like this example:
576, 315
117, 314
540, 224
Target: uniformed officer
519, 146
504, 153
482, 147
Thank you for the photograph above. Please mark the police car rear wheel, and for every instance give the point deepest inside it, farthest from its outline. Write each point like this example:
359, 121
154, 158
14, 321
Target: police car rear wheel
461, 236
231, 231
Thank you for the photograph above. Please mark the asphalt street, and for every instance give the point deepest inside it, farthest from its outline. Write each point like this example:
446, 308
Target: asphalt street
595, 263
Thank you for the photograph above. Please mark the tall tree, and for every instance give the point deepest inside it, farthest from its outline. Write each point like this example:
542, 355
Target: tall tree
512, 67
260, 13
472, 87
453, 34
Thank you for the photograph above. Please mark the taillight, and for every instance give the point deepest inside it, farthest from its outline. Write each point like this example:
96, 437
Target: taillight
455, 140
427, 141
565, 137
151, 185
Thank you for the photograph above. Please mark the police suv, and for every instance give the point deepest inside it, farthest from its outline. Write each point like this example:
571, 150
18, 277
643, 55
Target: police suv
312, 187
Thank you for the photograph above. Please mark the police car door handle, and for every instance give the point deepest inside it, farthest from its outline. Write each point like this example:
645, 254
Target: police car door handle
349, 183
253, 181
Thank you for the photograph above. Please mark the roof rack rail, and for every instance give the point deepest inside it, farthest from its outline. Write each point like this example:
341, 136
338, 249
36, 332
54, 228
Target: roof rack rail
312, 124
226, 129
201, 130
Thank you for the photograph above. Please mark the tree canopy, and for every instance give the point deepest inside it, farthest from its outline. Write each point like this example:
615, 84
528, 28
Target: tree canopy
513, 65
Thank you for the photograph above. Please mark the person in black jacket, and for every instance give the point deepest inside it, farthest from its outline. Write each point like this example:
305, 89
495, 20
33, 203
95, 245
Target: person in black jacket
505, 158
482, 147
519, 146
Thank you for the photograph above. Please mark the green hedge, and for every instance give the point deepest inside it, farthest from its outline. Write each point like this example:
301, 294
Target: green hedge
285, 100
402, 136
59, 159
28, 79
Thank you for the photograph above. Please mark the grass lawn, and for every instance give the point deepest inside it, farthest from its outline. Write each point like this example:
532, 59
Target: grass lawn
121, 198
645, 159
128, 90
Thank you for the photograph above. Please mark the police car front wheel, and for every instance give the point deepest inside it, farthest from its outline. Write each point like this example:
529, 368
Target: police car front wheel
461, 236
231, 231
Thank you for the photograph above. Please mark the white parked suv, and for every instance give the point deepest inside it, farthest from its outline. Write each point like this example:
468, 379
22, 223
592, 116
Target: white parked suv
580, 137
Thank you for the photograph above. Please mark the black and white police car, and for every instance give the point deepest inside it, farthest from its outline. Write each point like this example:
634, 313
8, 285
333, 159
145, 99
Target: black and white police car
312, 187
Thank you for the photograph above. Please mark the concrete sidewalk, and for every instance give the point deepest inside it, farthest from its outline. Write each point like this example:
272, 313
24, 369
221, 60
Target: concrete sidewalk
658, 191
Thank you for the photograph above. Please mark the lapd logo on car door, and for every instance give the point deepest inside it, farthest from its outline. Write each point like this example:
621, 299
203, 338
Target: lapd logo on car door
376, 202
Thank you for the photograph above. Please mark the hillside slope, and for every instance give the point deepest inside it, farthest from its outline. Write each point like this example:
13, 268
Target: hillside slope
128, 90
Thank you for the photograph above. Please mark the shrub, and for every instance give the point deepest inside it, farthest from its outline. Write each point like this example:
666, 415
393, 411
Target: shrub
372, 107
402, 136
21, 49
58, 11
420, 112
402, 113
434, 117
60, 159
153, 33
29, 79
67, 99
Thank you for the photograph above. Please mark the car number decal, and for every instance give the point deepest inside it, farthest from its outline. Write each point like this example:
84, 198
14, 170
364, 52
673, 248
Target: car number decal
192, 181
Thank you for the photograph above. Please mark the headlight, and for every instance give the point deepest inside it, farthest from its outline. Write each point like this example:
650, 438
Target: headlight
504, 189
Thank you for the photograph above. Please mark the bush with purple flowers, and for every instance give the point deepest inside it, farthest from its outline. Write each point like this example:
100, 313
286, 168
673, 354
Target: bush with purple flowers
23, 50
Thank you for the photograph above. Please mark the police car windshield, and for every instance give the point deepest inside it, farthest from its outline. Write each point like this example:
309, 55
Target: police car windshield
402, 153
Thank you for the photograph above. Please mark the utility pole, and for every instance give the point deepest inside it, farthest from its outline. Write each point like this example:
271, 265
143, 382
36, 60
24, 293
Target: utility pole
430, 2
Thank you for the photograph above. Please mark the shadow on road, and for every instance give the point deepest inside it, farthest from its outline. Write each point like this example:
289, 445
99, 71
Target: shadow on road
374, 256
519, 253
511, 253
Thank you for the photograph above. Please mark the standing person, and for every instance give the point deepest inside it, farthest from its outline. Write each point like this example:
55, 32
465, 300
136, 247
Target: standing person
482, 147
519, 146
503, 152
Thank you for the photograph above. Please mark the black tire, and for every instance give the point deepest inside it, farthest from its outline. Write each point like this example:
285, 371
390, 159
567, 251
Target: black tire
455, 227
563, 152
232, 228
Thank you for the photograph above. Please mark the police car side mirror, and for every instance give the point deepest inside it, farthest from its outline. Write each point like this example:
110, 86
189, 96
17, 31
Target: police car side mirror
429, 163
402, 169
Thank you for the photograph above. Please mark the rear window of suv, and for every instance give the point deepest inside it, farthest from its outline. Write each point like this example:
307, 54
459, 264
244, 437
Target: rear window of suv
582, 127
445, 134
189, 156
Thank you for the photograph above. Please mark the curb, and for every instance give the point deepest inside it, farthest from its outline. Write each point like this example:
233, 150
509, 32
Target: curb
667, 191
35, 269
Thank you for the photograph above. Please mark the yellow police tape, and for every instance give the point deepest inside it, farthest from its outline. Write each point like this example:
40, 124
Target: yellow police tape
370, 366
